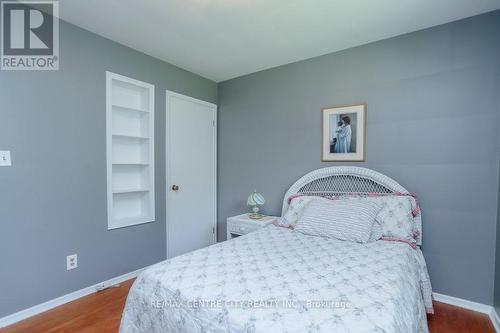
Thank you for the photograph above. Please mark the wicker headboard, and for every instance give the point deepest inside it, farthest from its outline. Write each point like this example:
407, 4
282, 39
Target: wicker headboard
345, 180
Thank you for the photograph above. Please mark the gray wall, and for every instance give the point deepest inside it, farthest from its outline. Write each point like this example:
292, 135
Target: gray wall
496, 296
53, 198
432, 116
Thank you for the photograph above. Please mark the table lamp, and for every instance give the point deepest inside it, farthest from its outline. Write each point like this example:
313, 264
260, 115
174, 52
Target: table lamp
255, 199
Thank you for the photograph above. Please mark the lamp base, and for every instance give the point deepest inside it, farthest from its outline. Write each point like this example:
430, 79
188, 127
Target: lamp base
255, 216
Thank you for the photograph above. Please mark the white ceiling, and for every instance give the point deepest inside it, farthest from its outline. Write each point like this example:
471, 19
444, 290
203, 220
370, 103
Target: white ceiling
223, 39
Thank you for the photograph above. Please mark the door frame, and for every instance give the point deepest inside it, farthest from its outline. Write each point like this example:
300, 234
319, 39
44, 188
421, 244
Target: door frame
213, 107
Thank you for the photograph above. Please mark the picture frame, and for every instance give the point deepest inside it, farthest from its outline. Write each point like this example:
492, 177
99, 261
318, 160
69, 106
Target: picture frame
343, 133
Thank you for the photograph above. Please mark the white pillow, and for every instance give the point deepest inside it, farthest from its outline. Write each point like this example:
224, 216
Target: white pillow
350, 220
395, 217
295, 209
376, 233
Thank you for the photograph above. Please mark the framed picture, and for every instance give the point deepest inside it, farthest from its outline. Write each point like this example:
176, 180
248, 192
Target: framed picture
343, 133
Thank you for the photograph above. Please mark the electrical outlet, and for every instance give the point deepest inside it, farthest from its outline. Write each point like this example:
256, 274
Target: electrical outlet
71, 262
5, 158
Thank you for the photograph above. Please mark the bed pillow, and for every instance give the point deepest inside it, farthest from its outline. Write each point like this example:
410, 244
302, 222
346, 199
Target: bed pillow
396, 218
294, 211
376, 232
350, 220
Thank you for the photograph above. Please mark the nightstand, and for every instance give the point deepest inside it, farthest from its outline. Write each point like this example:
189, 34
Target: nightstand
242, 224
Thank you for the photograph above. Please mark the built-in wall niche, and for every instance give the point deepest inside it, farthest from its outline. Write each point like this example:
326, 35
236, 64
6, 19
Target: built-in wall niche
130, 151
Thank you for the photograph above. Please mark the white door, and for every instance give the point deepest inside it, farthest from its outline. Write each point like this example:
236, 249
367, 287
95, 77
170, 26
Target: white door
191, 159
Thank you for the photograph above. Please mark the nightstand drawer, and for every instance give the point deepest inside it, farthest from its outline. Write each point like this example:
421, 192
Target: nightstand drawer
242, 228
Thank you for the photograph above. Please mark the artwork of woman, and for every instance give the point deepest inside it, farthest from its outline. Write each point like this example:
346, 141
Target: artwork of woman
344, 133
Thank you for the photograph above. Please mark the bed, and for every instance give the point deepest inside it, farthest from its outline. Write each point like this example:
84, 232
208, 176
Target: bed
279, 280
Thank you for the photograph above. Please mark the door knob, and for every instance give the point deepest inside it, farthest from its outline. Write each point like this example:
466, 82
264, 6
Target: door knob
175, 188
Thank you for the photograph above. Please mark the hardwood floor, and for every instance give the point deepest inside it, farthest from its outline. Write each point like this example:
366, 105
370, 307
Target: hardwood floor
449, 318
101, 313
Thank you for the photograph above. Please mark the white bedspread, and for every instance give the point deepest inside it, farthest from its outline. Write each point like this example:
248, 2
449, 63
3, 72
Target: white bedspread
278, 280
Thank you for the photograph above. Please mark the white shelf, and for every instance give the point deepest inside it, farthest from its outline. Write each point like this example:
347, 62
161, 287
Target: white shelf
125, 108
130, 151
132, 137
127, 222
130, 190
131, 123
130, 163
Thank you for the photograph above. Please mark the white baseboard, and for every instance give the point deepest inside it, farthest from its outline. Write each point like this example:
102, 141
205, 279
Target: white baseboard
462, 303
469, 305
495, 320
23, 314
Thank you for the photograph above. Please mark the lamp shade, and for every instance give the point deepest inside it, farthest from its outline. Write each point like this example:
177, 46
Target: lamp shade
255, 199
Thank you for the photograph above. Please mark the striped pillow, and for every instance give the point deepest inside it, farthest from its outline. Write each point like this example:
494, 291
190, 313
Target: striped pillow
350, 220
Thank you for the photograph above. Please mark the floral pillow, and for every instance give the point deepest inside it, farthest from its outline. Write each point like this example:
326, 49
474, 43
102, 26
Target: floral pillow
294, 211
376, 232
395, 217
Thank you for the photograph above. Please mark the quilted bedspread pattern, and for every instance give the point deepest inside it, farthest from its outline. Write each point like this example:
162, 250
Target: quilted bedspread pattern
279, 280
